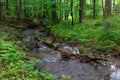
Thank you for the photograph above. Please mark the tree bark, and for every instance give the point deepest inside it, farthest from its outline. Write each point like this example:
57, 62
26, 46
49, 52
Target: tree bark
1, 10
66, 11
113, 3
108, 7
94, 9
25, 11
81, 4
19, 9
7, 7
71, 4
54, 13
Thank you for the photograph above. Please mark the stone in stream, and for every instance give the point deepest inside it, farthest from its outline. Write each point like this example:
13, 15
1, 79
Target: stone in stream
115, 73
67, 51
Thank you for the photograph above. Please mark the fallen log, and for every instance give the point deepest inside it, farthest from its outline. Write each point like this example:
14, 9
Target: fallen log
81, 58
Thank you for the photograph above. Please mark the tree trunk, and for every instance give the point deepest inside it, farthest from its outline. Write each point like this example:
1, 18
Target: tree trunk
81, 4
71, 4
25, 11
20, 9
61, 12
113, 3
1, 11
66, 11
54, 13
7, 7
94, 9
108, 7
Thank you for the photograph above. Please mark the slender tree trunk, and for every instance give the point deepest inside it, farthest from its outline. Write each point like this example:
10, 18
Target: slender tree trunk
1, 10
81, 4
113, 3
20, 9
94, 9
103, 10
61, 12
66, 11
25, 12
54, 13
71, 4
7, 7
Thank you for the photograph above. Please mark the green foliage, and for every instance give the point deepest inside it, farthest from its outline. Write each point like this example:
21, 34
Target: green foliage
43, 8
102, 36
105, 46
80, 32
47, 76
109, 39
65, 77
13, 62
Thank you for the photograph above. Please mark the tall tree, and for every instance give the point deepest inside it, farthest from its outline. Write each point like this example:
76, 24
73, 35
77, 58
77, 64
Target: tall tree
20, 9
25, 11
1, 10
66, 11
71, 7
81, 4
114, 3
94, 9
61, 12
108, 7
54, 12
7, 6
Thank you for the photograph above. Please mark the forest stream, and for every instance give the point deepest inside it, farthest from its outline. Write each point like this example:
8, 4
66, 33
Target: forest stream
51, 60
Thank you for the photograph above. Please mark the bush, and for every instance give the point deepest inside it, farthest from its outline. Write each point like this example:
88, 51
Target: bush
105, 46
102, 36
13, 63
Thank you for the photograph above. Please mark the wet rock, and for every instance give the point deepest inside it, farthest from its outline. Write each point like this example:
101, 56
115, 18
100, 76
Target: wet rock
68, 51
115, 73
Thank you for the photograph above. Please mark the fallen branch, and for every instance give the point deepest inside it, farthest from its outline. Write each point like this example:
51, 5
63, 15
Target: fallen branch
15, 26
81, 58
94, 58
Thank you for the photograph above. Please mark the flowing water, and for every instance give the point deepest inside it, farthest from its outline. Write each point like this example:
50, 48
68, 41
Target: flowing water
50, 60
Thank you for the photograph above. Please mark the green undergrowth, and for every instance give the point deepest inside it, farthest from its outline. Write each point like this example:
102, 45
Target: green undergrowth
100, 35
13, 62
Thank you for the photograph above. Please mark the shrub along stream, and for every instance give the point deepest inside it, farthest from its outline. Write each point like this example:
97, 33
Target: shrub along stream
14, 64
100, 35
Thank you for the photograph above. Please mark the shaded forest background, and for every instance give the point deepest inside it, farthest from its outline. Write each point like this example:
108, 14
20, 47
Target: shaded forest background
54, 11
96, 22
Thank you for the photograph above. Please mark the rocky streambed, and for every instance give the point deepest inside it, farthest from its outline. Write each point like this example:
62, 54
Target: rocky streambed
66, 60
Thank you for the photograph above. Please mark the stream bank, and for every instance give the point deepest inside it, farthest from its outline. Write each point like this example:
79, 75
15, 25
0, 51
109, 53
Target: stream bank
59, 63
